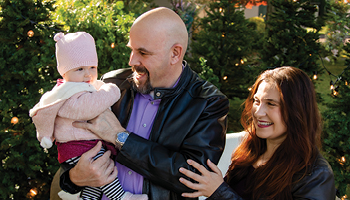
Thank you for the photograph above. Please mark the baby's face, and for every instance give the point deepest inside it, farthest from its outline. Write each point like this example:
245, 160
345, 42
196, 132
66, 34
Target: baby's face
87, 74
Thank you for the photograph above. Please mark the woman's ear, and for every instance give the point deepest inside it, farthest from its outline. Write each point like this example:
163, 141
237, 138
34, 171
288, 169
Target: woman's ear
176, 53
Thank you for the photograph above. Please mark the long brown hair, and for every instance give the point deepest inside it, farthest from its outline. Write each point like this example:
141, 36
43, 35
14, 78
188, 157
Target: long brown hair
300, 148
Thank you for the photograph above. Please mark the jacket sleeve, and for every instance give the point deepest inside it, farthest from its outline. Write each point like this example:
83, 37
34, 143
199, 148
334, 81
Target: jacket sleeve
318, 185
188, 136
224, 192
88, 105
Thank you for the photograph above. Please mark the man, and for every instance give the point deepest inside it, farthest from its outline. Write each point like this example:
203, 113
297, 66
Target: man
166, 115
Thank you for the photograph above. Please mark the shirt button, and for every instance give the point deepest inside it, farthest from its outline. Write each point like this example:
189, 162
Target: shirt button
158, 94
129, 172
144, 125
152, 102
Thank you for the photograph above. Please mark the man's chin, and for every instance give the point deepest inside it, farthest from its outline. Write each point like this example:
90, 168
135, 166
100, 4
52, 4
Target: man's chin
145, 88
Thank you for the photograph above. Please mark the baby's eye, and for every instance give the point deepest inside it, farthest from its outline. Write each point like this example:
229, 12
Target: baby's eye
80, 69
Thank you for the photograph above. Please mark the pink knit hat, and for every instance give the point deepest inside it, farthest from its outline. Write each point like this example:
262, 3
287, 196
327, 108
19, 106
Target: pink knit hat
74, 50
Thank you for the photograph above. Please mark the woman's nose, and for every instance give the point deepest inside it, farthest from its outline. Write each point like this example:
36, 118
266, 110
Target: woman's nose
260, 111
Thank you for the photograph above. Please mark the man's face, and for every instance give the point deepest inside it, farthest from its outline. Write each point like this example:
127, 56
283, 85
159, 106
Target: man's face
149, 59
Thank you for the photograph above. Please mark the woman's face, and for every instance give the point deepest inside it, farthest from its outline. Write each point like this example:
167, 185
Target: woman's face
266, 112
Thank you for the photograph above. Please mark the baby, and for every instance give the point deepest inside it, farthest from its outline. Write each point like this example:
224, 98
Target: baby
79, 96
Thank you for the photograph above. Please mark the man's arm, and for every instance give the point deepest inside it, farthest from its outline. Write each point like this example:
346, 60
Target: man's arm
201, 139
88, 172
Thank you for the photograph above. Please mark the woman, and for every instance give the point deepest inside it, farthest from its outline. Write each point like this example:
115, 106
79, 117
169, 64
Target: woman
279, 156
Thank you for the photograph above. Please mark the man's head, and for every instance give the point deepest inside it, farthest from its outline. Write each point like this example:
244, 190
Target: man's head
158, 40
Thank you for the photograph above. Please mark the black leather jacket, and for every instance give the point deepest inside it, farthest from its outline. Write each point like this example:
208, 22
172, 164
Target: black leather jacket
191, 123
318, 184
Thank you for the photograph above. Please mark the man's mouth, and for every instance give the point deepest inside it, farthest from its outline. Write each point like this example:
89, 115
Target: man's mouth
139, 71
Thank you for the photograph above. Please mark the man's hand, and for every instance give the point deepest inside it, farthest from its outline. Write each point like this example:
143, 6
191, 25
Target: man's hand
106, 126
94, 173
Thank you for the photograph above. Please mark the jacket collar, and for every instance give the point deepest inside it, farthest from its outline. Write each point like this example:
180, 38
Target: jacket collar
160, 93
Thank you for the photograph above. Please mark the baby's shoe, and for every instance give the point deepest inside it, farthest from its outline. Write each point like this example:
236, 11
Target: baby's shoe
129, 196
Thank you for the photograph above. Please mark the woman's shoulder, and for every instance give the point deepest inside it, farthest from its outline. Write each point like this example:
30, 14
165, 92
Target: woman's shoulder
321, 164
318, 180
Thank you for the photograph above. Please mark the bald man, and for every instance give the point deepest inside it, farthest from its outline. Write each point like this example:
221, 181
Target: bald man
165, 116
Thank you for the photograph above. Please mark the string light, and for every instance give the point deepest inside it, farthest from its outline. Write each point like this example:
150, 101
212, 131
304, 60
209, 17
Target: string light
344, 197
335, 92
331, 85
30, 33
112, 45
315, 75
33, 192
224, 78
250, 88
343, 159
14, 120
242, 61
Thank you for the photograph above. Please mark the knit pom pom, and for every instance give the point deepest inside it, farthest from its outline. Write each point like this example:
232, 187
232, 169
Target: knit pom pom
46, 142
58, 36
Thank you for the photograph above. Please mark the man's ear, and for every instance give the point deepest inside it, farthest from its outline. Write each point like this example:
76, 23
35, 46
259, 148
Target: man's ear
176, 53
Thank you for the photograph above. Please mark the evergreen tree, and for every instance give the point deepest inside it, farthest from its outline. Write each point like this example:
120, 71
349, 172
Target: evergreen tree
107, 22
337, 131
288, 42
27, 69
337, 28
224, 38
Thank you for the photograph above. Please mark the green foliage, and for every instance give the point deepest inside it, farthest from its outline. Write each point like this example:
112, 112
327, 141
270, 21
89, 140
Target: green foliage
337, 24
260, 24
337, 133
107, 23
136, 6
27, 69
187, 10
224, 38
288, 43
207, 73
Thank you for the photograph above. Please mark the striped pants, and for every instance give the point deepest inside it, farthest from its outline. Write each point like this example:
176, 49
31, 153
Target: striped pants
113, 190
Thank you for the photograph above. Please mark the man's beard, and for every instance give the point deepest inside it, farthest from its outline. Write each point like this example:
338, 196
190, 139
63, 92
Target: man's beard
143, 88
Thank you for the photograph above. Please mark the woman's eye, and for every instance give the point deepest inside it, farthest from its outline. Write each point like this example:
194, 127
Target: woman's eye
271, 104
